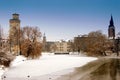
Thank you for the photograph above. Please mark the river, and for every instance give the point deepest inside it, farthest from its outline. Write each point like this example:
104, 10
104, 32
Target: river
101, 69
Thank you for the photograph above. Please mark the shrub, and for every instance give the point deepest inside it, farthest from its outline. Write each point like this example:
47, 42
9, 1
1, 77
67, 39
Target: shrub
6, 58
31, 49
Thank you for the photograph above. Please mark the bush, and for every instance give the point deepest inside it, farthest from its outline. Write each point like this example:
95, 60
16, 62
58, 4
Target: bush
31, 49
6, 58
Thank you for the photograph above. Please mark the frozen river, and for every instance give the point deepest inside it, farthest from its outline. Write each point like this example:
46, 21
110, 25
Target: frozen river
101, 69
45, 68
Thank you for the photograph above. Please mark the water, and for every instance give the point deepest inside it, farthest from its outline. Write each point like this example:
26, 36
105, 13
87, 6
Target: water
101, 69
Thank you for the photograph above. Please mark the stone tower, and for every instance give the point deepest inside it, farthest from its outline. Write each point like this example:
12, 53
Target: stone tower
14, 32
44, 38
44, 42
111, 29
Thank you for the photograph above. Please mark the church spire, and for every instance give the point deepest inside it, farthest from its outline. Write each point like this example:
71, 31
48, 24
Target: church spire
111, 21
44, 42
111, 29
44, 38
44, 35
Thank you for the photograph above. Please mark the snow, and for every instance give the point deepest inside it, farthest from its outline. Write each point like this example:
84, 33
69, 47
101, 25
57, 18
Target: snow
1, 72
18, 60
22, 68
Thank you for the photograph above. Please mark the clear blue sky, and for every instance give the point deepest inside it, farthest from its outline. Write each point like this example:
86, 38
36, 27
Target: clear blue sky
62, 19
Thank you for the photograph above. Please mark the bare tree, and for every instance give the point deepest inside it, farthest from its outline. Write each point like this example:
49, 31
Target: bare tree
31, 45
71, 46
80, 43
97, 43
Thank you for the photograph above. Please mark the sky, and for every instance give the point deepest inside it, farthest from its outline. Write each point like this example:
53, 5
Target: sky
62, 19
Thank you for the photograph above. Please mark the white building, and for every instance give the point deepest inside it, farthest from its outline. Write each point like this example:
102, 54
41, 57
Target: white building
62, 47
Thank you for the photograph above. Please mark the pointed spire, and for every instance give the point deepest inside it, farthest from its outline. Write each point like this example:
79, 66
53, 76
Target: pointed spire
44, 37
111, 21
44, 34
111, 29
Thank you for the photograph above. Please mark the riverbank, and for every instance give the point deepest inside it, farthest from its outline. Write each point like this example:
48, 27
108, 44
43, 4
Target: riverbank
45, 67
101, 69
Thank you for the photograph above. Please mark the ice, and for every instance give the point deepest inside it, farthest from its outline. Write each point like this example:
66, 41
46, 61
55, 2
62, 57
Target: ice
46, 64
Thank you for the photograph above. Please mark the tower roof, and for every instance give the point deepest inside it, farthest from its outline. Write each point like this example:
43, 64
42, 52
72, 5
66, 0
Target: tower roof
44, 34
111, 29
15, 14
111, 21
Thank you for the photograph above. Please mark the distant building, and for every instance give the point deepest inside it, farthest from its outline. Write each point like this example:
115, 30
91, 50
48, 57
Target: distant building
44, 43
62, 47
111, 29
80, 41
117, 44
14, 29
48, 46
55, 46
51, 47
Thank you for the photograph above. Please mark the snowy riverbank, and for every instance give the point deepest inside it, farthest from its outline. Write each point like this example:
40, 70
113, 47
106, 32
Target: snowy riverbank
47, 64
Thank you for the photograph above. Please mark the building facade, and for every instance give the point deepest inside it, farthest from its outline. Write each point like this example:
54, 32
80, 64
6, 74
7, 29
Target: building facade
62, 47
14, 32
55, 46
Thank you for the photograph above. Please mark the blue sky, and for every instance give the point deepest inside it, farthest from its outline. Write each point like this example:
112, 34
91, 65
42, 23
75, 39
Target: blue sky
62, 19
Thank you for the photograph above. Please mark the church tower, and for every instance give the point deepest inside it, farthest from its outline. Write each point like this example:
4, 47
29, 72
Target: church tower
44, 42
44, 38
111, 29
14, 29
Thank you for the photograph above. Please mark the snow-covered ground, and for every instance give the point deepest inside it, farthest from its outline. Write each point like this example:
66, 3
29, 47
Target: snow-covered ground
1, 72
47, 64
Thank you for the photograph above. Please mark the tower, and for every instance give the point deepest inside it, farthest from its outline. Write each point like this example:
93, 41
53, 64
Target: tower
14, 29
111, 29
44, 42
44, 38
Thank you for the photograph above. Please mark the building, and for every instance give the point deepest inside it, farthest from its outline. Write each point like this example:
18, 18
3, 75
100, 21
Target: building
62, 47
55, 46
111, 29
117, 45
47, 46
79, 43
50, 46
14, 32
44, 43
14, 29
